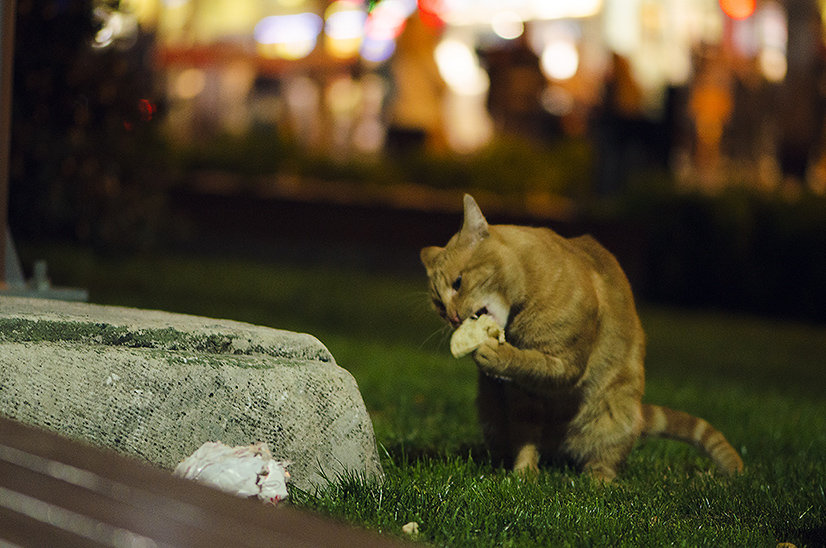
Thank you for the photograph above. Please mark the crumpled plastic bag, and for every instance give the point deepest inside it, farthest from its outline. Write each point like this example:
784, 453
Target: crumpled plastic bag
246, 471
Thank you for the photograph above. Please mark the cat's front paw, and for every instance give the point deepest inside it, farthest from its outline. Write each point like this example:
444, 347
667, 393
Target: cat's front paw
493, 358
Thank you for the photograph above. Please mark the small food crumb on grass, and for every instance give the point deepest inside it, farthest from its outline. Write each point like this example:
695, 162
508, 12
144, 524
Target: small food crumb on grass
411, 528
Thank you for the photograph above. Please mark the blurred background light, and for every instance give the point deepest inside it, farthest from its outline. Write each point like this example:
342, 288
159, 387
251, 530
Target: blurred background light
342, 49
622, 26
573, 41
738, 9
344, 29
344, 20
507, 24
565, 9
147, 109
482, 12
468, 125
773, 26
388, 18
557, 101
115, 26
431, 12
289, 4
369, 133
190, 83
744, 38
773, 38
368, 136
377, 50
459, 68
560, 60
288, 36
342, 96
773, 65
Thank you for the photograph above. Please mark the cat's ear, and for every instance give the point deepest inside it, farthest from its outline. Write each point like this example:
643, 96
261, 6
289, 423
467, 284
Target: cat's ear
475, 226
428, 255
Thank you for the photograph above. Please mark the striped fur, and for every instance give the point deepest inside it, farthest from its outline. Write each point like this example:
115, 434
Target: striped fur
668, 423
567, 383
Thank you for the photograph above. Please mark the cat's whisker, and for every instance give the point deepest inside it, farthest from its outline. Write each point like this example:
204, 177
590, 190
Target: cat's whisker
444, 331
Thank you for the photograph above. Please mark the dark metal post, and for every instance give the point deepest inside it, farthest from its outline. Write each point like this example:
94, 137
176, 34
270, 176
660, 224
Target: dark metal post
6, 76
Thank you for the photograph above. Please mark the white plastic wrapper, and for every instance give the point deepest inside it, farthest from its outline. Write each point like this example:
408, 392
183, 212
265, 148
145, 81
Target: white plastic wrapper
246, 471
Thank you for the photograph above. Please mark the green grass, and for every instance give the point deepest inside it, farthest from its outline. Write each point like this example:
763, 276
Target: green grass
759, 381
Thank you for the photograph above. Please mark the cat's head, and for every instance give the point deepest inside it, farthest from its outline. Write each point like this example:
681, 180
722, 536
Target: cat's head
468, 275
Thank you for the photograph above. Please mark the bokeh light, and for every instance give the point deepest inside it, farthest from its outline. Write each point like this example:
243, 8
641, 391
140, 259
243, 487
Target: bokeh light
387, 20
557, 100
344, 20
288, 36
774, 37
383, 25
377, 50
289, 4
774, 30
431, 12
344, 29
566, 9
342, 96
560, 59
190, 83
147, 109
738, 9
459, 68
116, 26
773, 65
507, 25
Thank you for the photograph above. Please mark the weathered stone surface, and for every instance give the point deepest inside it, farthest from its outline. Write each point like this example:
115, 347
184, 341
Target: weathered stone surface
157, 385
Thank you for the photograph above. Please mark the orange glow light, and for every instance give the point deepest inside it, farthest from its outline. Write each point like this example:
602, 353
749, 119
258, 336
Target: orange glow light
738, 9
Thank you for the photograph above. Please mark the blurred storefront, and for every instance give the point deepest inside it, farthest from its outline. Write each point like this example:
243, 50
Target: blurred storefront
709, 88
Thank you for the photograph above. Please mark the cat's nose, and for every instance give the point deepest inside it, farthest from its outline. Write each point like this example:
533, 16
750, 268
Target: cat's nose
454, 319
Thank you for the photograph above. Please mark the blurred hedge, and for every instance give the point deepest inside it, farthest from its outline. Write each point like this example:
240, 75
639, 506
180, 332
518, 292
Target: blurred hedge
508, 165
741, 249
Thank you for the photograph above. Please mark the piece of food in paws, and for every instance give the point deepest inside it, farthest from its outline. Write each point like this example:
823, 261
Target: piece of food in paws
472, 333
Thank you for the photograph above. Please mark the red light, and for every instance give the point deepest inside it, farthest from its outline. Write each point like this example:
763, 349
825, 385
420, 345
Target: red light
147, 109
738, 9
431, 12
145, 113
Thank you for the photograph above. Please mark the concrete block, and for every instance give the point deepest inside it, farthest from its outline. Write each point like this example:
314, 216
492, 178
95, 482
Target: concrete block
157, 385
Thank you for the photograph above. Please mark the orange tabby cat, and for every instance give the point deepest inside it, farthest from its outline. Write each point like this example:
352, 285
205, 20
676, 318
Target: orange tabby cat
568, 382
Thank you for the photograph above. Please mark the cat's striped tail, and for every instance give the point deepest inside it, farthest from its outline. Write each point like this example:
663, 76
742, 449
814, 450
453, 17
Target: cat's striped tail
664, 422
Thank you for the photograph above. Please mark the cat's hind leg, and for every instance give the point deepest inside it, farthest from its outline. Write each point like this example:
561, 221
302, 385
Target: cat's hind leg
602, 444
604, 460
525, 415
526, 461
491, 408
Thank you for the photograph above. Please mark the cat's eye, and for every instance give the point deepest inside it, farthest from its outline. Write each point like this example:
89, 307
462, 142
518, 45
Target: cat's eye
439, 305
457, 283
